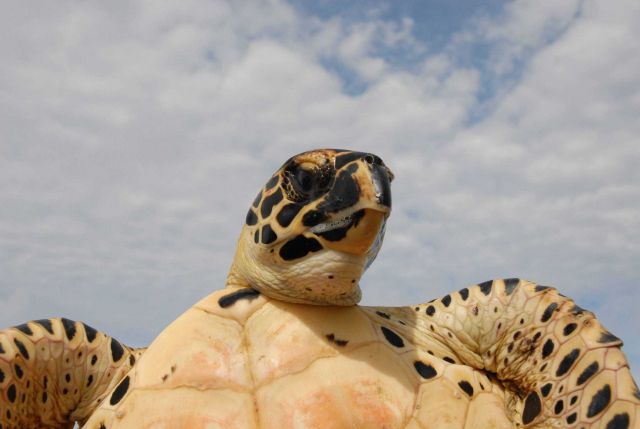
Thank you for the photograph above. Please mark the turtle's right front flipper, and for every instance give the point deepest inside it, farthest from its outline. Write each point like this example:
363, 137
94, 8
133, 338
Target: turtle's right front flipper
54, 372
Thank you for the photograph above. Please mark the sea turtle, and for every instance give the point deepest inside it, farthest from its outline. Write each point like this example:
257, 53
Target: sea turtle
501, 354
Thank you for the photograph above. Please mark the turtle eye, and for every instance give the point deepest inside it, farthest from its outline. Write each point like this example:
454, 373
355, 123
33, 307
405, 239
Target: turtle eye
303, 181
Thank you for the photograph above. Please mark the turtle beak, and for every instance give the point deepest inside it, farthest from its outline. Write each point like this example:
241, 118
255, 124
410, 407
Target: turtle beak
381, 178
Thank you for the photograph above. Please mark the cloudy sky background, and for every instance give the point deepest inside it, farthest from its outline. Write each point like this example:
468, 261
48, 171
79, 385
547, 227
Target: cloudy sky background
134, 135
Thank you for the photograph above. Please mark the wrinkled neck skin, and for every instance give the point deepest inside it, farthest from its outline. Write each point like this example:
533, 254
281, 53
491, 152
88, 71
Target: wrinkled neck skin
324, 278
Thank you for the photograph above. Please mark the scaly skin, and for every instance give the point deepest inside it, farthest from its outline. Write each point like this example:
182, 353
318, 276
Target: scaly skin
562, 367
55, 372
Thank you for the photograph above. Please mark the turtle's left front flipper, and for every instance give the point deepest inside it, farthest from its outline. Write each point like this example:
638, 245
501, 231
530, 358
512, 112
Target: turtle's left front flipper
567, 370
54, 372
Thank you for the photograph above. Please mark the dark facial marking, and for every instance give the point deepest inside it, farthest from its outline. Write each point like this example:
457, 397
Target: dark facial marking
332, 338
11, 393
546, 389
299, 247
468, 388
548, 312
251, 218
599, 401
393, 338
426, 371
313, 218
383, 314
287, 214
573, 400
23, 350
588, 373
567, 362
448, 359
446, 300
344, 159
230, 299
431, 310
569, 329
464, 293
547, 349
46, 324
559, 407
1, 376
272, 182
25, 329
116, 350
510, 285
485, 287
94, 359
120, 391
44, 397
90, 332
571, 418
540, 288
69, 328
619, 421
532, 408
607, 337
256, 236
268, 235
256, 201
269, 202
344, 194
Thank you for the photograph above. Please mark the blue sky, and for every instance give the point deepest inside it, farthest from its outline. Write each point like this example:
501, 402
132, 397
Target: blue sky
134, 135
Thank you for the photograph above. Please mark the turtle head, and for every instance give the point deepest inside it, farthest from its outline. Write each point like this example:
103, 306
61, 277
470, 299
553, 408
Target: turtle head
315, 227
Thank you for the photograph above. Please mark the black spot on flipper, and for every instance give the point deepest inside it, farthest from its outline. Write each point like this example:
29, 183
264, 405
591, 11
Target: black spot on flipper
268, 235
102, 426
299, 247
272, 182
464, 294
230, 299
571, 418
90, 332
256, 236
337, 341
1, 349
426, 371
94, 359
540, 288
69, 328
567, 362
547, 349
446, 300
11, 393
486, 287
25, 329
393, 338
119, 391
599, 401
431, 310
132, 360
1, 376
89, 380
251, 218
510, 285
569, 329
44, 397
18, 370
558, 407
468, 388
269, 202
548, 312
46, 324
116, 350
546, 389
287, 214
448, 359
532, 408
383, 314
607, 337
587, 373
619, 421
23, 350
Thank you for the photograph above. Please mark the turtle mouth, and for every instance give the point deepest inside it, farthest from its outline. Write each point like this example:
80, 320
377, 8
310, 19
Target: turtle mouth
333, 224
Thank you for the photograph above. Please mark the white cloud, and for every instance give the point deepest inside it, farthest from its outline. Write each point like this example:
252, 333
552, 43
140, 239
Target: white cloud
134, 135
